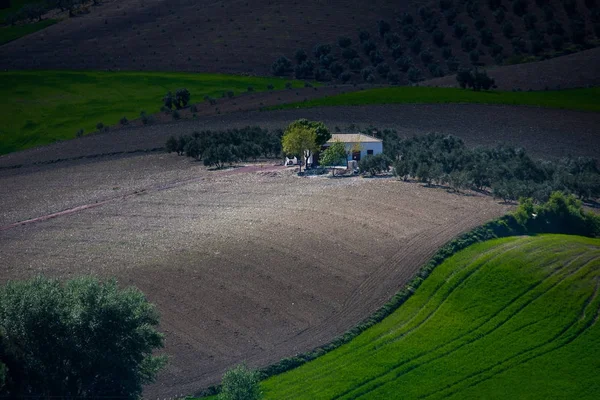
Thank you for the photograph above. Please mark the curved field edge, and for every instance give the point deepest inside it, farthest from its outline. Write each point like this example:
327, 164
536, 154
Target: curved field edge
586, 99
10, 33
475, 329
41, 107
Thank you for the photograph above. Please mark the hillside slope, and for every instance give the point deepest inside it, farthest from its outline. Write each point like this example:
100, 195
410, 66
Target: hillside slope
415, 40
510, 318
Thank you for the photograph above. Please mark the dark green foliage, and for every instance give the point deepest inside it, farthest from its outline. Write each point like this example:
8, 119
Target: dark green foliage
578, 31
240, 383
397, 51
557, 41
182, 98
281, 66
496, 49
368, 74
376, 57
325, 61
431, 24
393, 77
548, 13
321, 50
349, 53
494, 4
415, 75
479, 23
438, 38
415, 45
344, 42
383, 69
124, 121
452, 64
450, 16
446, 4
519, 7
345, 76
392, 39
383, 27
447, 52
508, 29
363, 36
374, 164
555, 28
426, 56
435, 70
304, 70
336, 69
404, 63
473, 78
355, 64
460, 30
409, 31
472, 8
300, 56
474, 57
519, 45
487, 37
499, 15
468, 43
529, 20
570, 7
218, 148
146, 119
322, 75
169, 100
99, 126
369, 46
79, 133
406, 19
81, 339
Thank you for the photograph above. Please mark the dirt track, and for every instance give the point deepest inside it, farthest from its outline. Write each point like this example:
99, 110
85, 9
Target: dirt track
543, 132
246, 266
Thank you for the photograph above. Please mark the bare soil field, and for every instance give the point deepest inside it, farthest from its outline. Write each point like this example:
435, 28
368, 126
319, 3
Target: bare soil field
242, 265
238, 36
574, 70
545, 133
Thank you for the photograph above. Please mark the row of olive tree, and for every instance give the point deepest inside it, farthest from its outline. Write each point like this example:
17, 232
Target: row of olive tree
509, 172
80, 339
219, 148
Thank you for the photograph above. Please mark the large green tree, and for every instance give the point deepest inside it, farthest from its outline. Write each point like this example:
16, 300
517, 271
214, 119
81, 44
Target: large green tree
240, 383
83, 338
303, 137
334, 155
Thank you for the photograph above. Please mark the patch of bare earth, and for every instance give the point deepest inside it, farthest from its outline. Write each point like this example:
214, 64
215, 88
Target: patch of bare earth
242, 265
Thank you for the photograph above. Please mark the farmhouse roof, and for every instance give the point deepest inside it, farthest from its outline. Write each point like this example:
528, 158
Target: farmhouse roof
353, 138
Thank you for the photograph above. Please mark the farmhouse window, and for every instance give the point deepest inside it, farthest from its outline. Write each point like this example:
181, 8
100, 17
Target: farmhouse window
370, 152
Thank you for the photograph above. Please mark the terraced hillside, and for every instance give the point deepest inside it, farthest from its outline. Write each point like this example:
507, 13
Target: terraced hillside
509, 318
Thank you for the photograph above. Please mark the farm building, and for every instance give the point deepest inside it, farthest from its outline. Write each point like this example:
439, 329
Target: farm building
358, 145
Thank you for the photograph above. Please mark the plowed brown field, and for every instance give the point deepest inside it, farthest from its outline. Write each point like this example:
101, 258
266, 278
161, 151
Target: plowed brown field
242, 265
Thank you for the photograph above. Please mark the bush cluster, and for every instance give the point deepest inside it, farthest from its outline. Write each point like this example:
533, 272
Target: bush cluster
508, 172
218, 148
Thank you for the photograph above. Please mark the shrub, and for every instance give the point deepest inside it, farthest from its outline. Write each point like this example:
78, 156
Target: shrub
460, 30
450, 16
182, 98
499, 15
336, 69
349, 53
323, 75
374, 164
146, 119
363, 36
404, 63
321, 50
520, 7
415, 45
415, 75
78, 134
578, 31
438, 38
508, 29
475, 79
530, 20
557, 41
426, 56
452, 64
240, 383
446, 52
325, 61
300, 56
474, 56
435, 70
496, 49
392, 39
446, 4
409, 31
366, 73
344, 42
103, 336
397, 51
383, 69
288, 85
570, 7
406, 19
468, 43
494, 4
487, 37
281, 66
369, 46
99, 126
355, 64
393, 78
230, 93
479, 23
304, 70
345, 76
519, 45
376, 57
548, 13
383, 27
168, 100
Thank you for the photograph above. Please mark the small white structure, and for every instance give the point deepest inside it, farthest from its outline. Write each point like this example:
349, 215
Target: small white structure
358, 145
291, 161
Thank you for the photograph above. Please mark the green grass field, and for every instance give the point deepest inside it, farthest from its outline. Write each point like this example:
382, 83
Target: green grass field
572, 99
39, 107
505, 319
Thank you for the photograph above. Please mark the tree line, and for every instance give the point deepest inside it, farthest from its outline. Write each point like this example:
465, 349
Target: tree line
508, 172
219, 148
35, 10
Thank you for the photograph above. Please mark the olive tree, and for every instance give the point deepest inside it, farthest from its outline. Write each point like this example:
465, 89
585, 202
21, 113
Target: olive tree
83, 338
240, 383
334, 155
303, 137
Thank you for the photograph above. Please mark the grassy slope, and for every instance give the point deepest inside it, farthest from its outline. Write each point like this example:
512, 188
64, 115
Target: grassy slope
39, 107
509, 318
9, 33
573, 99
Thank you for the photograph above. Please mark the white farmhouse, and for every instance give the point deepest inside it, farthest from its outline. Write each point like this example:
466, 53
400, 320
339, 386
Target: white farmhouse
358, 145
